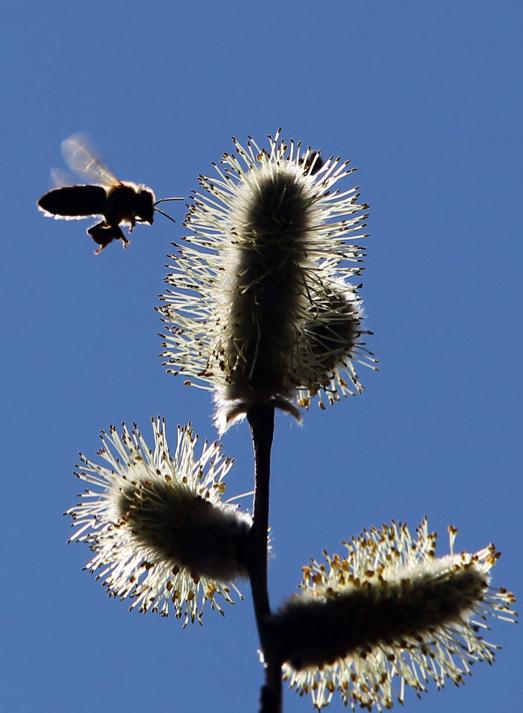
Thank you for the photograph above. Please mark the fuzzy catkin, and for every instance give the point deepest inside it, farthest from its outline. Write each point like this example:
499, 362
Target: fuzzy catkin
388, 615
159, 532
177, 525
260, 308
316, 633
266, 293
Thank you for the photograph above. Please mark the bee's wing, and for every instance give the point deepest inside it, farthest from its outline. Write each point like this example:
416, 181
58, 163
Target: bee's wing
83, 160
62, 178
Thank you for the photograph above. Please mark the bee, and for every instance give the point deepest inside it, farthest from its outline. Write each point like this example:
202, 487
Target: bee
118, 202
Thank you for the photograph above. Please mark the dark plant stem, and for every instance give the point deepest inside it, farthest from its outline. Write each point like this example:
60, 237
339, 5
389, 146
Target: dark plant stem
261, 421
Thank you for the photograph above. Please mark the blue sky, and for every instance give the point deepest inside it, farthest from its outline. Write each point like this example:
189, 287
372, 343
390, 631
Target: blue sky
425, 99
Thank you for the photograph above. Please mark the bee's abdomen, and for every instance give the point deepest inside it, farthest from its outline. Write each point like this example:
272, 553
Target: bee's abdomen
74, 201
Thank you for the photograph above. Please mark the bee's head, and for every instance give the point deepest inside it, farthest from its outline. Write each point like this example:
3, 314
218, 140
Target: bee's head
145, 205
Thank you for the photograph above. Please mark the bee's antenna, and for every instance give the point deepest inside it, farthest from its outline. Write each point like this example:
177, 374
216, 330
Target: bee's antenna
164, 213
172, 198
166, 200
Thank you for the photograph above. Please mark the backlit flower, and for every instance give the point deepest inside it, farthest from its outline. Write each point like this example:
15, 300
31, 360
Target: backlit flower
388, 615
156, 523
260, 308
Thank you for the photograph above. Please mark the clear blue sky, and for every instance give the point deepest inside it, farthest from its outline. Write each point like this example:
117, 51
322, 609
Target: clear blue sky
425, 98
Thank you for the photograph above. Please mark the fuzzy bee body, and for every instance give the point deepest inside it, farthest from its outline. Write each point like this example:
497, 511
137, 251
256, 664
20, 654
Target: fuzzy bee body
72, 202
117, 202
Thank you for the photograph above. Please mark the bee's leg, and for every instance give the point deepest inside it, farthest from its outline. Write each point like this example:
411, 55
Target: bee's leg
118, 234
133, 223
102, 234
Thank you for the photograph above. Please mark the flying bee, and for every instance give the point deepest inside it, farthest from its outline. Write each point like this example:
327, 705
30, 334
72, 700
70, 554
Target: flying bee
118, 202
